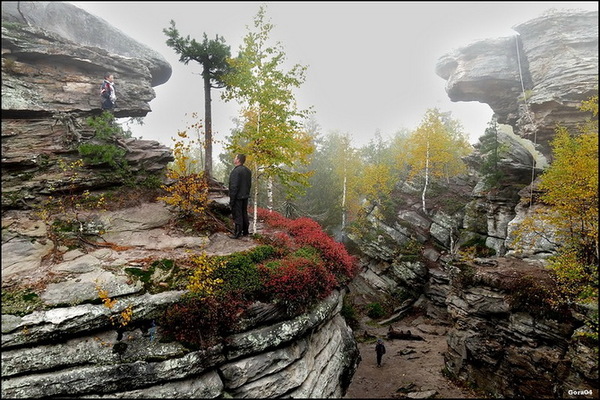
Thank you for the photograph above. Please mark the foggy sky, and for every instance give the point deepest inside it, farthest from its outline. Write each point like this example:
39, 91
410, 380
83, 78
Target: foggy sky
371, 65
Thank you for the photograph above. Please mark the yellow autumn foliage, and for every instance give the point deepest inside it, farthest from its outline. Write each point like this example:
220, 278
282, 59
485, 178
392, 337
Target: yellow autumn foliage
189, 192
123, 317
570, 190
202, 283
437, 147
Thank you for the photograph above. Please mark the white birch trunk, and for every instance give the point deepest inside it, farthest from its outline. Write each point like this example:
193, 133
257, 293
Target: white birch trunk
344, 203
270, 193
426, 178
255, 216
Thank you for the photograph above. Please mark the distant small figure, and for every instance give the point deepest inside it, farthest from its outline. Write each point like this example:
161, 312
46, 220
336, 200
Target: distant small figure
380, 351
152, 331
107, 92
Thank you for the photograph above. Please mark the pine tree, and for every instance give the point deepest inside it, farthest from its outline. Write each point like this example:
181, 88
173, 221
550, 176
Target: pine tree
213, 56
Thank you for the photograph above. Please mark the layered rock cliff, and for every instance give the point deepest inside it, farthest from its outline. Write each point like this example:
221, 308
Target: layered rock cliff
72, 346
53, 62
533, 81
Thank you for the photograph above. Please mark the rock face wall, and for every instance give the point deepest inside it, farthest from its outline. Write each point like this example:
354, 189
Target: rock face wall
533, 81
506, 347
74, 347
495, 343
50, 86
74, 351
554, 59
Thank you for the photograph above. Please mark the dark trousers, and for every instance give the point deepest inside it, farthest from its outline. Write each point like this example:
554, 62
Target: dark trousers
107, 105
240, 214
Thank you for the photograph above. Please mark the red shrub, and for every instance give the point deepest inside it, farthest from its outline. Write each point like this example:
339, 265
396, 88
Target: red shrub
307, 232
298, 282
201, 322
272, 219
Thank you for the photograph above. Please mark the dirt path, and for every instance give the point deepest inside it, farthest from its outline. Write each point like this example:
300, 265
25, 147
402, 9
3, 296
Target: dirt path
410, 368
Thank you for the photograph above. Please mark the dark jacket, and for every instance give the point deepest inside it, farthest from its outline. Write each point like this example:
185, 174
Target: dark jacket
105, 93
240, 181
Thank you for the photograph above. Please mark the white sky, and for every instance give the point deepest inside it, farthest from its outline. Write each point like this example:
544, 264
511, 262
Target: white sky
371, 65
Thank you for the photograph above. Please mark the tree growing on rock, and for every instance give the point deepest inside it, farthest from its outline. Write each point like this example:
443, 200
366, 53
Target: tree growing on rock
212, 55
570, 188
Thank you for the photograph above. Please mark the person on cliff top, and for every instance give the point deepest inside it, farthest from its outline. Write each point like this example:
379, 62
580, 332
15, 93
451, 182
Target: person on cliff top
107, 92
380, 351
240, 181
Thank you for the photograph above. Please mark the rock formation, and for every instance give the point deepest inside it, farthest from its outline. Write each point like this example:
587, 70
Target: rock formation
73, 347
50, 87
532, 81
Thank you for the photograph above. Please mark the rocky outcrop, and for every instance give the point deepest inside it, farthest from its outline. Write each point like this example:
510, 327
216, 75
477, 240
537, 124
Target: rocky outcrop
75, 351
36, 153
534, 79
501, 337
78, 26
510, 348
45, 73
53, 62
54, 57
500, 341
73, 347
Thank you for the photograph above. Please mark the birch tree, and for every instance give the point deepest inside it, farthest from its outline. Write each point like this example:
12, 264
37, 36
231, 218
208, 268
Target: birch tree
272, 136
435, 150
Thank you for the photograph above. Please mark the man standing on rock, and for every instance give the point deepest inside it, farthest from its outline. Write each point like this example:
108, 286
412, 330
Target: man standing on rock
380, 351
240, 181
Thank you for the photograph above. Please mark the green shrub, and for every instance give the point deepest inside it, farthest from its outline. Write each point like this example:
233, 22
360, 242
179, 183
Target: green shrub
239, 274
99, 154
375, 310
308, 252
261, 253
103, 151
350, 314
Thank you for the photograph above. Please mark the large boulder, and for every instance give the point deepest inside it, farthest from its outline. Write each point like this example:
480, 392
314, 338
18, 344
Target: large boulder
534, 79
77, 25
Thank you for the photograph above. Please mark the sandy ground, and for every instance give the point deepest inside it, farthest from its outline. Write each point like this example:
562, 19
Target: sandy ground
410, 368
